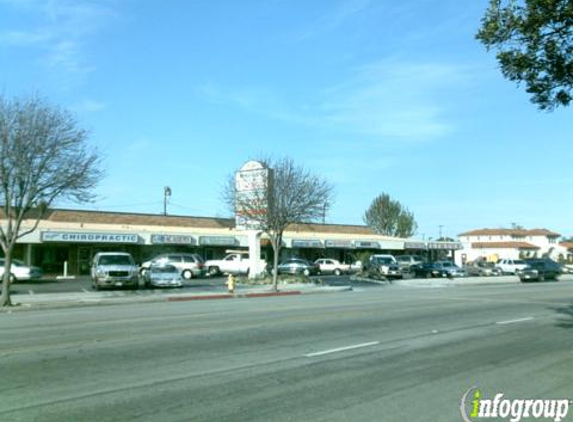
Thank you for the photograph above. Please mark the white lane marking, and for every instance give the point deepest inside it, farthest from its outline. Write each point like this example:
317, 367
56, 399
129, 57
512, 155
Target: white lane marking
342, 349
513, 321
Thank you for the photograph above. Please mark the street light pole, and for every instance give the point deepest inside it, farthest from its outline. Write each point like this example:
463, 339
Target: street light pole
166, 194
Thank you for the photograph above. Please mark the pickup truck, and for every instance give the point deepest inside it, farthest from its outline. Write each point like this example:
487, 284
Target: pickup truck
235, 263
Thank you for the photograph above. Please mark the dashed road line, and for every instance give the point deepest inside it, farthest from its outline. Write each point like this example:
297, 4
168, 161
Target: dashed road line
342, 349
513, 321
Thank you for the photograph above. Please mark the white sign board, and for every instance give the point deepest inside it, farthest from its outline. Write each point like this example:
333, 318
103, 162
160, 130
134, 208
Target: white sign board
250, 182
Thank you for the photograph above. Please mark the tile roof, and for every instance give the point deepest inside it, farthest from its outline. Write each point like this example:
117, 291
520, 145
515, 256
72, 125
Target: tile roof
503, 245
135, 219
510, 232
568, 245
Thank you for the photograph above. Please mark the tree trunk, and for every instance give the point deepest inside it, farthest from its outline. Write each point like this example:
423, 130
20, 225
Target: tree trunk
276, 242
5, 295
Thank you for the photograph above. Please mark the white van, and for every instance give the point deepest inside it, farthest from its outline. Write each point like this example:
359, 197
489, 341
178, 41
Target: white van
114, 269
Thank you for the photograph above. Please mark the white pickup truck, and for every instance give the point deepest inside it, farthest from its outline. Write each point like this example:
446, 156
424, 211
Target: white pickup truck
235, 263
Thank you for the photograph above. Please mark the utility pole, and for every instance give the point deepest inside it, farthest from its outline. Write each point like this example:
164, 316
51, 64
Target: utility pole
166, 194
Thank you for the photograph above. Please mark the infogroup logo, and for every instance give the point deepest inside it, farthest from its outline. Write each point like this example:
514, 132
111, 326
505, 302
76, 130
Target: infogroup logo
475, 407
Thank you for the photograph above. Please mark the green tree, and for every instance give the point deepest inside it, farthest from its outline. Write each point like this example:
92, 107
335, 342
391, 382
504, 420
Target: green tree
534, 44
389, 217
43, 156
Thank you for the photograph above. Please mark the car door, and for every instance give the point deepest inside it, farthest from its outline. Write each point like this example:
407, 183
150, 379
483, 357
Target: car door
329, 266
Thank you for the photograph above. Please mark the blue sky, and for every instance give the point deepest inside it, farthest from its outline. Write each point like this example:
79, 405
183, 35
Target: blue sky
376, 96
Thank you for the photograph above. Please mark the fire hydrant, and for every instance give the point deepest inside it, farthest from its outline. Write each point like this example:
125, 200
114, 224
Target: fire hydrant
231, 283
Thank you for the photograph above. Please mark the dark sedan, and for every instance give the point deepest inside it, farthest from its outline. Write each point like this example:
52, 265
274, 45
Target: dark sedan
298, 266
539, 270
429, 270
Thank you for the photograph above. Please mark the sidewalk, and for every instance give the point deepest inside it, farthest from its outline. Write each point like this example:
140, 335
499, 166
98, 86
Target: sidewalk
455, 282
112, 297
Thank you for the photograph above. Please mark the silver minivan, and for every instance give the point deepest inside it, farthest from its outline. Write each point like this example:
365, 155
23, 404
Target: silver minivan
114, 269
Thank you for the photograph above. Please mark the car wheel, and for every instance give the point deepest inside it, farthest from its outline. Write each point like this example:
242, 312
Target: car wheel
187, 274
337, 272
212, 271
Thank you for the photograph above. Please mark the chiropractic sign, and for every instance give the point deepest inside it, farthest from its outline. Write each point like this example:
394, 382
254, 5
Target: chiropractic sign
101, 237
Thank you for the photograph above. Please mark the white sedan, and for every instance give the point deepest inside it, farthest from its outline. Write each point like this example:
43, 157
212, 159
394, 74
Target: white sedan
332, 266
20, 271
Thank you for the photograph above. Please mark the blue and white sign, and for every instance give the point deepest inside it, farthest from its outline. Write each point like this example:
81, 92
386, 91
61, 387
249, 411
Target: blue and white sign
312, 243
366, 245
172, 239
339, 244
103, 237
218, 240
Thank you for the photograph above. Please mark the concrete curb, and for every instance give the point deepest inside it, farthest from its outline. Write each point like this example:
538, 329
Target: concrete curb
232, 296
54, 300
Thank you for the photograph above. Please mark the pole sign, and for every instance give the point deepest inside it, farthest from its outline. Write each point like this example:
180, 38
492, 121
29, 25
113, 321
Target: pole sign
251, 182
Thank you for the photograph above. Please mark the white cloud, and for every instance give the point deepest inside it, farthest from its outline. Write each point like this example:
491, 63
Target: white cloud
89, 106
62, 32
333, 18
391, 100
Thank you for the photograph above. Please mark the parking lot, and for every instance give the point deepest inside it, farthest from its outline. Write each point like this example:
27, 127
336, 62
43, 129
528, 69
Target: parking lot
218, 284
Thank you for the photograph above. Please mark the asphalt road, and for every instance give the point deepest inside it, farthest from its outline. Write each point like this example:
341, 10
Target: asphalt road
385, 354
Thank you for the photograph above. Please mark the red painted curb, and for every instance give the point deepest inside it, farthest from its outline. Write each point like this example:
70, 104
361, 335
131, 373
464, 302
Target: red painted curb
294, 292
187, 298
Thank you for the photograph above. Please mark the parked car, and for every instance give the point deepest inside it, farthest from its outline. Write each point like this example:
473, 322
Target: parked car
428, 270
406, 261
189, 265
356, 267
298, 266
482, 269
539, 270
510, 266
20, 271
385, 265
331, 266
114, 269
567, 268
451, 269
162, 275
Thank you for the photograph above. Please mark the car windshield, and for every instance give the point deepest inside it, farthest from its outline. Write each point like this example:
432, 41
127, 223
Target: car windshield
115, 260
15, 262
383, 261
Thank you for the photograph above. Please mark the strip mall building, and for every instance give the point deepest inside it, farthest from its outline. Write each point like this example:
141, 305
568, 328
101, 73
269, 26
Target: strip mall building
74, 236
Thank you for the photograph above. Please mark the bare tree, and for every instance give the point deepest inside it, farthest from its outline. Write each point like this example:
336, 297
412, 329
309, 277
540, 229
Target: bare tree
291, 194
43, 156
